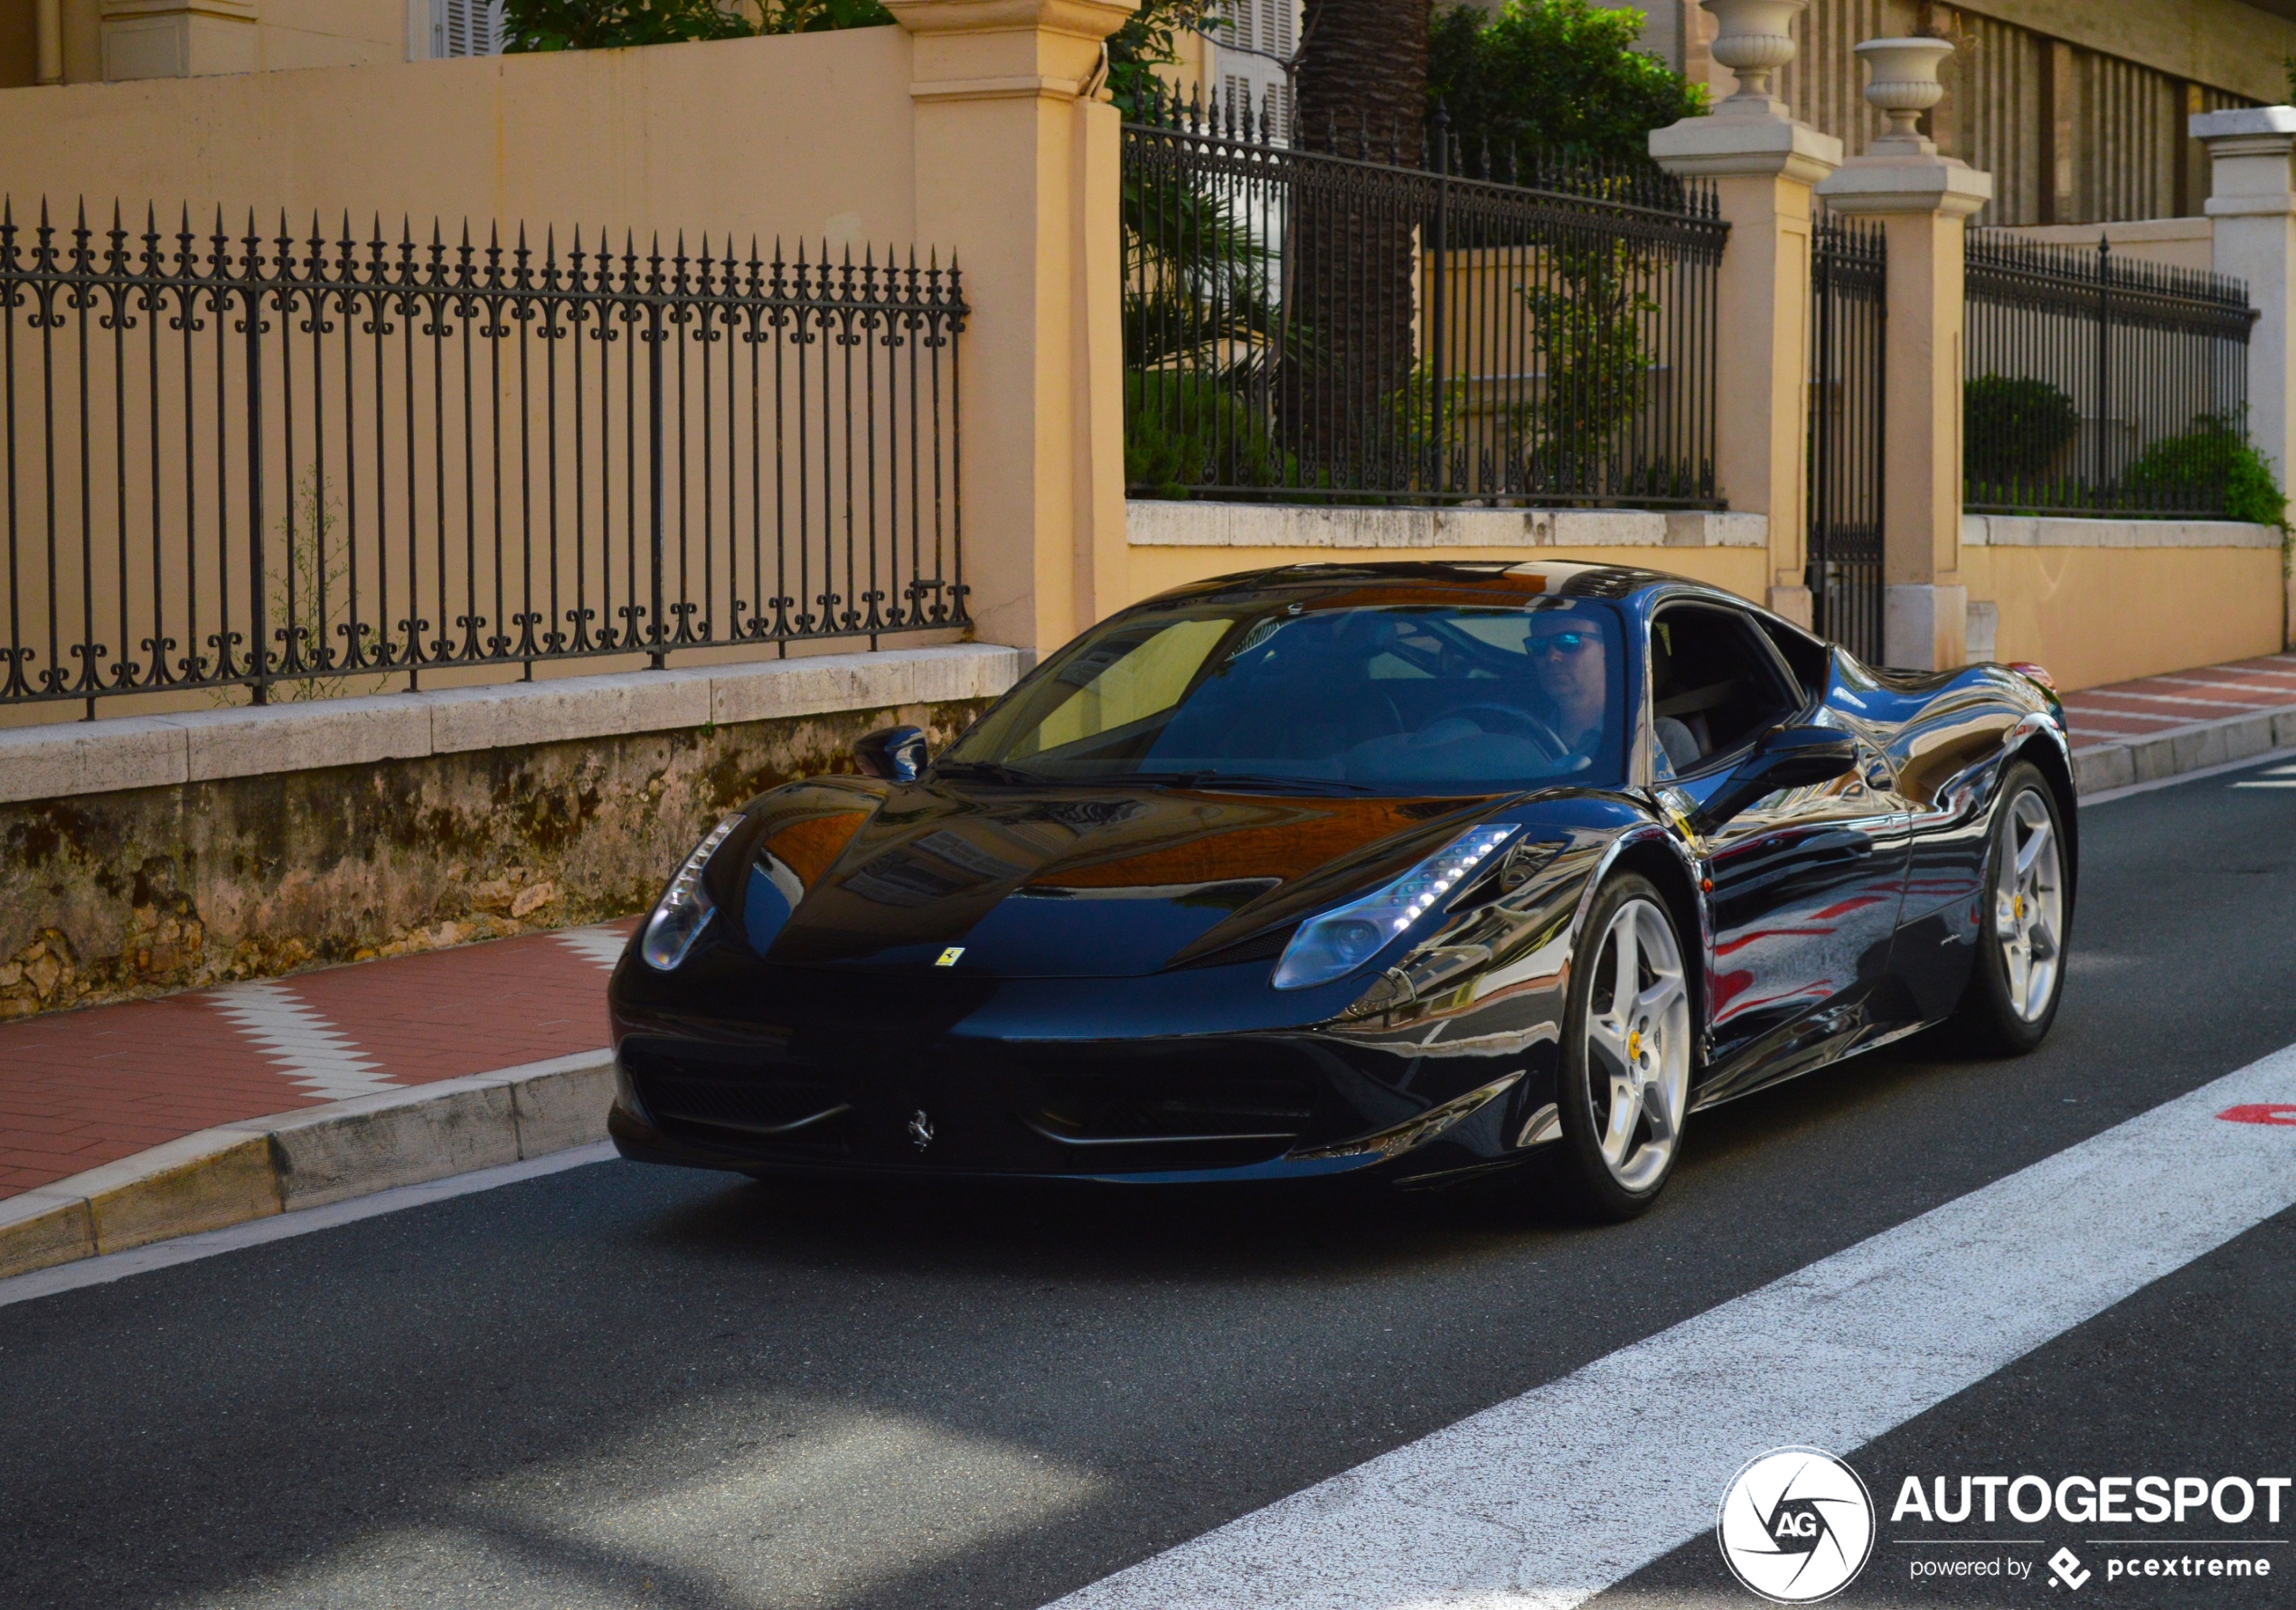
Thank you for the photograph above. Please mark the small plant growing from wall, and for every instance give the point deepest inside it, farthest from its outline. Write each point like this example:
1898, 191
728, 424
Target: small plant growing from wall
308, 599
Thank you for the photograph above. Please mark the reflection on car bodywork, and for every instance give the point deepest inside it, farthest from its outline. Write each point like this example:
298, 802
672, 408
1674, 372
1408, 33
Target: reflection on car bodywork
1072, 974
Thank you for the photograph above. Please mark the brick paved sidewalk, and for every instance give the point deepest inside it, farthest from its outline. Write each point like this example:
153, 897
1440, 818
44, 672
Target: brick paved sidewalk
2158, 704
85, 1088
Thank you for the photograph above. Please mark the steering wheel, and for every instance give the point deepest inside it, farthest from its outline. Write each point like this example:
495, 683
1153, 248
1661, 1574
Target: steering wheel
1521, 721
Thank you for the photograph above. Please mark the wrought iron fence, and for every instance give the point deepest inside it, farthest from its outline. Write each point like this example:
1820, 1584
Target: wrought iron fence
1849, 281
2098, 383
1356, 323
337, 465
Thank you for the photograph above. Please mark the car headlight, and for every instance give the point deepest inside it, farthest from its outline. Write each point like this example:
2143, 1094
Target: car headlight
684, 907
1342, 939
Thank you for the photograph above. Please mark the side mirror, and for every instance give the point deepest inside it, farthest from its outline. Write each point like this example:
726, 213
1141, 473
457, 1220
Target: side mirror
1783, 757
896, 754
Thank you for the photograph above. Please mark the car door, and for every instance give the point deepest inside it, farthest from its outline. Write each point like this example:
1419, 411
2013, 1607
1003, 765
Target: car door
1806, 882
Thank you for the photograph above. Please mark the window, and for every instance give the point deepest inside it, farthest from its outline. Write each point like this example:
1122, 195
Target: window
1387, 698
1260, 36
466, 28
1812, 660
1715, 685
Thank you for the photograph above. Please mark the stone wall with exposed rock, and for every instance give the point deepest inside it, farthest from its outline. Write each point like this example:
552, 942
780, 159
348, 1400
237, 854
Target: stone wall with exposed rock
145, 890
122, 892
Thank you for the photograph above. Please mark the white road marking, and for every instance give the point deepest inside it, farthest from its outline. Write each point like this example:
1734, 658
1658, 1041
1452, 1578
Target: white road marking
1545, 1500
600, 944
2277, 783
279, 1227
318, 1056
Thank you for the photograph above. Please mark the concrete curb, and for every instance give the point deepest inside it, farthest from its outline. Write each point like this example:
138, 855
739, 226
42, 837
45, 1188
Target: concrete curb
260, 1166
2099, 767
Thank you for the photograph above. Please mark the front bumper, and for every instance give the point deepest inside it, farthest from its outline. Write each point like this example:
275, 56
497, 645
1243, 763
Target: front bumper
821, 1089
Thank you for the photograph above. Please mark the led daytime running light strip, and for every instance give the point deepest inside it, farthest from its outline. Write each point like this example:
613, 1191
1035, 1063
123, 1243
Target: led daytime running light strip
1433, 880
687, 884
684, 906
1337, 942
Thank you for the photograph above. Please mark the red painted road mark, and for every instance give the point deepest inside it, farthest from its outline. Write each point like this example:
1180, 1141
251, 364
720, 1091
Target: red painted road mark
2275, 1112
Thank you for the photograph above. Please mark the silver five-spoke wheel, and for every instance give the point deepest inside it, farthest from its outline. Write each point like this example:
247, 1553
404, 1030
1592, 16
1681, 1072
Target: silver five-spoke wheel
2028, 904
1638, 1045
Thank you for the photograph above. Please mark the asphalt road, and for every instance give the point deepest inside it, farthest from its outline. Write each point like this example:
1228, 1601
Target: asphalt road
618, 1385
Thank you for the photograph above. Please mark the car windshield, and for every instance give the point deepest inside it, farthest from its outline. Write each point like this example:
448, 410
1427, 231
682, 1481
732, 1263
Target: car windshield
1436, 698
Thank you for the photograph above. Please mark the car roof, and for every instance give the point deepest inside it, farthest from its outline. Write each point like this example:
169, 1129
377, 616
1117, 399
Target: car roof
1399, 581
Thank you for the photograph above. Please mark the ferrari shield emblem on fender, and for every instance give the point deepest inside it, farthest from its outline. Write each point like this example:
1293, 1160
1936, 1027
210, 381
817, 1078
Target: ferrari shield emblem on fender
948, 957
920, 1128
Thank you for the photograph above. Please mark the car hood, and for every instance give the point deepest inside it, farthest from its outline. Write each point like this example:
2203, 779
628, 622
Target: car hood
1068, 882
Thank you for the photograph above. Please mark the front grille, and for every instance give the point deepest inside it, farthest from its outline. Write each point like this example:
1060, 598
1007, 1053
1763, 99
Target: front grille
694, 1090
763, 1107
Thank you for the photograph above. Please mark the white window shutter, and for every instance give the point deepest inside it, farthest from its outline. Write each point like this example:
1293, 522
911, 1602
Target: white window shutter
465, 27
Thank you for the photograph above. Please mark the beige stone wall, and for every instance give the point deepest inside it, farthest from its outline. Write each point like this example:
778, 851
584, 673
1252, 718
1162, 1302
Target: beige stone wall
118, 40
2178, 242
2094, 614
804, 135
1172, 544
791, 137
1741, 570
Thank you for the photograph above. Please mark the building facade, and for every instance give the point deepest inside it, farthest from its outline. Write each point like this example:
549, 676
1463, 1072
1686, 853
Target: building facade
2077, 108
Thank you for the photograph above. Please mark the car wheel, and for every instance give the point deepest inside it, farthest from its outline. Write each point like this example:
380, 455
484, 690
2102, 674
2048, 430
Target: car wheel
1625, 1076
2018, 978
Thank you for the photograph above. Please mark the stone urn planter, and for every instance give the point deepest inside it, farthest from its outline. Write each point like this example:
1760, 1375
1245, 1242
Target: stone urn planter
1756, 39
1903, 81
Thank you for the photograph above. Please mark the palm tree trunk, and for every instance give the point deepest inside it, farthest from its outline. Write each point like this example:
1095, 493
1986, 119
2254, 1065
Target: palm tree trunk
1362, 85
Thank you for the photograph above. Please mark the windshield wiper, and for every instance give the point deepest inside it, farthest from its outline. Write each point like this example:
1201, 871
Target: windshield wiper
1249, 782
989, 771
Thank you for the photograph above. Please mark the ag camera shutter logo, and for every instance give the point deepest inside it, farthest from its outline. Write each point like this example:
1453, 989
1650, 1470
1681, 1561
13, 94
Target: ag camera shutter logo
1797, 1526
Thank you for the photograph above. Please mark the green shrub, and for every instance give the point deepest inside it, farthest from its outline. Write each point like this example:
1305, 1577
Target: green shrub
1549, 74
536, 26
2213, 459
1186, 431
2014, 430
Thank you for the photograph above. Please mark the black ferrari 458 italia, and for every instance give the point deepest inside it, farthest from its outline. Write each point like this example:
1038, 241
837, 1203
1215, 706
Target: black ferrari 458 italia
1416, 870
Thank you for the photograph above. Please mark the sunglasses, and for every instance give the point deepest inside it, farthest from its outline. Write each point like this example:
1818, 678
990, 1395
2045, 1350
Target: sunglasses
1561, 643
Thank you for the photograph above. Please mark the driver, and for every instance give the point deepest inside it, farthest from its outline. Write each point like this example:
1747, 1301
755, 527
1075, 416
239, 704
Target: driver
1574, 674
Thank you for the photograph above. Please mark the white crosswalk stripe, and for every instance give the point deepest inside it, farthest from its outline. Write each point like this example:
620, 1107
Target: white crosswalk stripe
600, 944
1545, 1500
318, 1056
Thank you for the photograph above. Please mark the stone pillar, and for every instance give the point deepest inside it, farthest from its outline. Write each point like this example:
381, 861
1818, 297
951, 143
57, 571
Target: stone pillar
2252, 209
48, 42
1763, 165
1923, 200
1017, 175
177, 39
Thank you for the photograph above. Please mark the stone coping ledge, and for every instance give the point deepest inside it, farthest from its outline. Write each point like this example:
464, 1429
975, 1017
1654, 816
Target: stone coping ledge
2058, 531
77, 757
1157, 523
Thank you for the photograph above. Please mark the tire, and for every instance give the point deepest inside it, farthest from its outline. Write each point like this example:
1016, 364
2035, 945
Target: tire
2013, 991
1624, 1087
